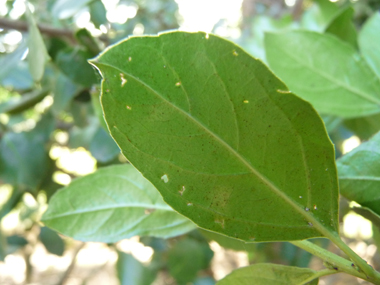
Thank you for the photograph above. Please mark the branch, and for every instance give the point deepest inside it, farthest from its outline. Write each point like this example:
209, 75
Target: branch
44, 29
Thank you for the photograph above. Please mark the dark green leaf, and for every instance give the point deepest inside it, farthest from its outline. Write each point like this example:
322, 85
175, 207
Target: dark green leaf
265, 273
38, 55
23, 156
359, 174
65, 90
98, 13
52, 241
18, 105
342, 27
364, 127
220, 136
73, 63
87, 40
369, 42
329, 74
131, 272
122, 204
186, 258
103, 147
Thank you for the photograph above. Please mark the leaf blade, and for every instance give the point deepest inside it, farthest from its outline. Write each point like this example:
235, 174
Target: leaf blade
201, 146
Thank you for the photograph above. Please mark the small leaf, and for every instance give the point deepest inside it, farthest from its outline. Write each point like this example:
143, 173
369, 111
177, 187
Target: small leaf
359, 174
369, 42
220, 137
25, 102
98, 13
52, 241
131, 272
38, 55
331, 74
266, 273
342, 26
112, 204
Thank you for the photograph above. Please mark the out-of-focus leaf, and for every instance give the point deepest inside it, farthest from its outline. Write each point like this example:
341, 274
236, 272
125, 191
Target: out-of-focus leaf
186, 258
64, 9
52, 241
369, 42
342, 26
131, 272
331, 122
317, 17
368, 214
38, 55
364, 127
73, 63
15, 242
123, 204
204, 281
11, 202
103, 147
18, 77
359, 174
23, 156
9, 61
87, 40
185, 108
64, 91
3, 246
98, 13
266, 273
20, 104
327, 72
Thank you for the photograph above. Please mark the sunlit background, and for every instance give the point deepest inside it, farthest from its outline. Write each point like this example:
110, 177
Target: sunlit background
221, 17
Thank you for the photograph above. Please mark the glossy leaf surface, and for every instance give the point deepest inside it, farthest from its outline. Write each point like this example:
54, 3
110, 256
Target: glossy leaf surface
343, 27
326, 71
265, 273
359, 174
220, 136
111, 204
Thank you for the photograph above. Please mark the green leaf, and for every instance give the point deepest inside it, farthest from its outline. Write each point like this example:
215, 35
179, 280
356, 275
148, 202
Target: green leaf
28, 100
64, 91
24, 157
103, 147
359, 174
38, 55
122, 204
325, 71
185, 270
369, 42
131, 272
220, 136
98, 13
9, 61
52, 241
342, 26
266, 273
73, 63
364, 127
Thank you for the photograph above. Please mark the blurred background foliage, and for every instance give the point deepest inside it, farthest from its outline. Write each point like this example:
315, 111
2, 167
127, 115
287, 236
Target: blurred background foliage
52, 131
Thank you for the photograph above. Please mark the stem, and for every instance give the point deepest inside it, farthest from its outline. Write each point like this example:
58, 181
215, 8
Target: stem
320, 273
338, 264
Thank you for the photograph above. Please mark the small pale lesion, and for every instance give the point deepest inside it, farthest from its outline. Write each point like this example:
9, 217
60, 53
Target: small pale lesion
235, 53
123, 79
283, 91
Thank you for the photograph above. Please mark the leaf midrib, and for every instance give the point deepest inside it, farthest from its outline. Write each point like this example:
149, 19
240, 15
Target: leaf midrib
265, 180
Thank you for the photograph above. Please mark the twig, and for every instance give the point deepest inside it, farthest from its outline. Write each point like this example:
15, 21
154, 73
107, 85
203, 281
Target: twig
44, 29
65, 275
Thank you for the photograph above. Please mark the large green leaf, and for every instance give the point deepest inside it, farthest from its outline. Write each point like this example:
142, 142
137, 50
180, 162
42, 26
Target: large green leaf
369, 42
325, 71
220, 136
266, 273
359, 174
111, 204
343, 27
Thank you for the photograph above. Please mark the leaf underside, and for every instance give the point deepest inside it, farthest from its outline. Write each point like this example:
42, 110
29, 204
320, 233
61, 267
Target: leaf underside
111, 204
220, 136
